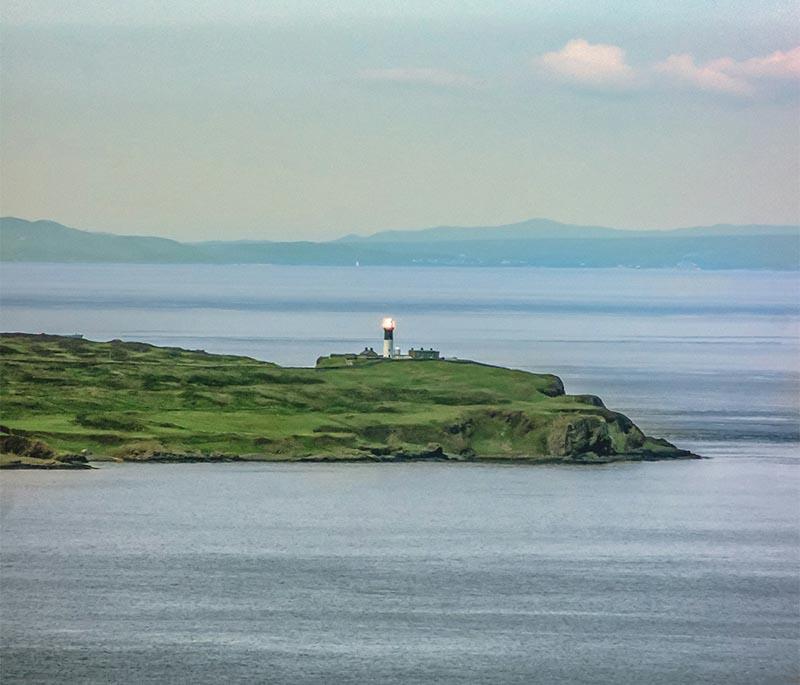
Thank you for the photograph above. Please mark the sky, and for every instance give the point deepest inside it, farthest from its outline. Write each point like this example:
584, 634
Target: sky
201, 119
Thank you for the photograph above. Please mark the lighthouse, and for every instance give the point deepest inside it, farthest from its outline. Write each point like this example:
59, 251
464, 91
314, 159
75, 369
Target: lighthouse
388, 326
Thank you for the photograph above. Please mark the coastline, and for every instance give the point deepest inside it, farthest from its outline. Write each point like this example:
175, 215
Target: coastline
582, 460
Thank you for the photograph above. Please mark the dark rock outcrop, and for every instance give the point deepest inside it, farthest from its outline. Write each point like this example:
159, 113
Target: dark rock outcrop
574, 436
11, 443
23, 452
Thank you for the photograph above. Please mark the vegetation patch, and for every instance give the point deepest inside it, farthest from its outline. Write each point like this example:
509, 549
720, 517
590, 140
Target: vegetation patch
110, 421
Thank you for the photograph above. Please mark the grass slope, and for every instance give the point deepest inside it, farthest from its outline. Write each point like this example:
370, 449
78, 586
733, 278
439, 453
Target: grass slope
137, 401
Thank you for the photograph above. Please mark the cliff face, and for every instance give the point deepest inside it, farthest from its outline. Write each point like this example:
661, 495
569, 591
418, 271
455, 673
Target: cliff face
139, 402
491, 434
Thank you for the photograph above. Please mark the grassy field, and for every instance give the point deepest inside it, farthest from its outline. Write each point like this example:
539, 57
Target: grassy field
136, 401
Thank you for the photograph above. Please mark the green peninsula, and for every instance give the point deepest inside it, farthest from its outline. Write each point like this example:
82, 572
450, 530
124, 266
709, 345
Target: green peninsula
66, 401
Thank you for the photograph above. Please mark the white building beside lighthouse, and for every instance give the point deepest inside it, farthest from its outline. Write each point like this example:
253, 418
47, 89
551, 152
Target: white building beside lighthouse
390, 351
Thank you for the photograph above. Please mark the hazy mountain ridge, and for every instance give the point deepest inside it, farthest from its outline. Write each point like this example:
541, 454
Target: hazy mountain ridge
537, 242
547, 228
48, 241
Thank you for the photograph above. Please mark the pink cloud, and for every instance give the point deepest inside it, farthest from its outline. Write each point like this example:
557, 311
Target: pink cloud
727, 75
589, 64
601, 66
713, 76
778, 65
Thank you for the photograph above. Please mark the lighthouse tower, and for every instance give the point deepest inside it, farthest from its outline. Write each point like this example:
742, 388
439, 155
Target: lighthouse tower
388, 326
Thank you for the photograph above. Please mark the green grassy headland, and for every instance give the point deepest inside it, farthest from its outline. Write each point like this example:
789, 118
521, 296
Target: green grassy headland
134, 401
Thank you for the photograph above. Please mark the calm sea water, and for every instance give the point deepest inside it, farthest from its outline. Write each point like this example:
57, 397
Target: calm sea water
679, 572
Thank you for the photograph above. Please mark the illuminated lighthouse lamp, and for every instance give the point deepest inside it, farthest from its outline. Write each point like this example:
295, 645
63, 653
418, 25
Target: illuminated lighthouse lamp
388, 325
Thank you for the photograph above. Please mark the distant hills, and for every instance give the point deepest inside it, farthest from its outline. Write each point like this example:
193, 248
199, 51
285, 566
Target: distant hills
537, 242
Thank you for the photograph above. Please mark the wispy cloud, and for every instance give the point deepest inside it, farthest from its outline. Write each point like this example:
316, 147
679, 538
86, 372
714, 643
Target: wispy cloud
712, 77
589, 64
778, 65
429, 77
601, 66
